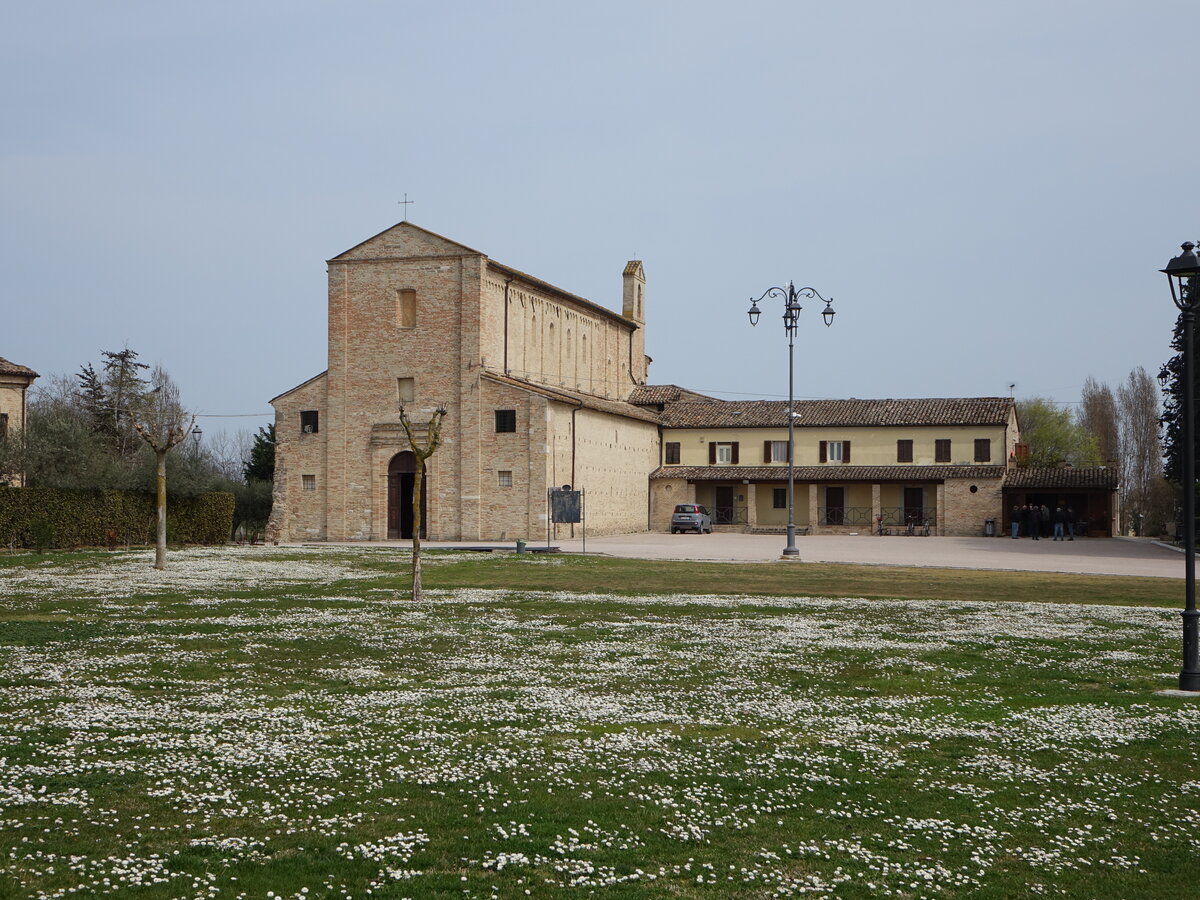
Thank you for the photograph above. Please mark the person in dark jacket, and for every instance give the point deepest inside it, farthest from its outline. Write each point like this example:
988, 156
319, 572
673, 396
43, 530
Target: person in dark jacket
1060, 522
1035, 520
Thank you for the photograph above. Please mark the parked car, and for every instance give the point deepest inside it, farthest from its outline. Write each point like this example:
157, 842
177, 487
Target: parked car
691, 517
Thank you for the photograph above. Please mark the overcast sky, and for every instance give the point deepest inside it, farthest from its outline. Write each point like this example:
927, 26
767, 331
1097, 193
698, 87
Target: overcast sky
985, 190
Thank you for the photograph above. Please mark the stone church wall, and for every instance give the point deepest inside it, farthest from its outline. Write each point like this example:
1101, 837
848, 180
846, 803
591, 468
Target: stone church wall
297, 513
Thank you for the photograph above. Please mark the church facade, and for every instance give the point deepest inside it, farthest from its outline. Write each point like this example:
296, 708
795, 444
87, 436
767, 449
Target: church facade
535, 381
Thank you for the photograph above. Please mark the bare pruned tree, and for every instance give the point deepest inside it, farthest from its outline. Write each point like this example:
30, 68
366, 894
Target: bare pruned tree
163, 424
1144, 501
422, 451
1099, 415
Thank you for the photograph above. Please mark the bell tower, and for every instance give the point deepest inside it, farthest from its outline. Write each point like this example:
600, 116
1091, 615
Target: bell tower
633, 307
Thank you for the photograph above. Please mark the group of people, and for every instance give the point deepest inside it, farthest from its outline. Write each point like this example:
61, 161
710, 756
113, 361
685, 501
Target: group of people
1036, 520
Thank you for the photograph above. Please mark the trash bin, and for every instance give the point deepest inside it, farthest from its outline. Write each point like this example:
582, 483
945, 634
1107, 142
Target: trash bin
989, 527
520, 546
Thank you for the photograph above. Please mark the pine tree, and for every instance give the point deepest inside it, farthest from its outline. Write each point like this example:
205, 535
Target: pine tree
261, 464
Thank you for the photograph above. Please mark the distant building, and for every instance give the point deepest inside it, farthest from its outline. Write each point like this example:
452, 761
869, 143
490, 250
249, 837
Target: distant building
857, 463
14, 382
544, 388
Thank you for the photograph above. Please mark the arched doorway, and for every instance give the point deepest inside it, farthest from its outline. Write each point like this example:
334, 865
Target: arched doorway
401, 477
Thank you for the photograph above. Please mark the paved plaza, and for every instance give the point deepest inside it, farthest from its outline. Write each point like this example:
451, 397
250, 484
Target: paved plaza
1091, 556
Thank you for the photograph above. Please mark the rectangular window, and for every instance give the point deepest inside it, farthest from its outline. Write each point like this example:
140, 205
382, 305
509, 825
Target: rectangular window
310, 482
406, 308
672, 453
904, 451
506, 420
406, 389
504, 478
983, 449
308, 421
779, 451
941, 450
834, 451
723, 454
779, 498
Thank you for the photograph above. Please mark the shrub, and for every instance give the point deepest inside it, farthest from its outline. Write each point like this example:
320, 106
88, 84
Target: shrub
54, 517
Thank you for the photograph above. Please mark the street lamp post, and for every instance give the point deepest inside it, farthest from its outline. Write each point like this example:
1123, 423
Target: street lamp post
791, 315
1183, 272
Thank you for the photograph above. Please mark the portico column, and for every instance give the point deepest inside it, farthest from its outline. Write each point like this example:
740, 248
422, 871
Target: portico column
876, 506
941, 509
814, 524
751, 505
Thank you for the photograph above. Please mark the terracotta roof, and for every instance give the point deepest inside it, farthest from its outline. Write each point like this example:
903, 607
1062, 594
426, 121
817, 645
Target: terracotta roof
773, 413
835, 473
1099, 478
654, 394
564, 395
10, 368
634, 267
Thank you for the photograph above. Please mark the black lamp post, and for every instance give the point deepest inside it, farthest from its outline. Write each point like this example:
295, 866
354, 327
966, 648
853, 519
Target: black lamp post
1183, 272
791, 315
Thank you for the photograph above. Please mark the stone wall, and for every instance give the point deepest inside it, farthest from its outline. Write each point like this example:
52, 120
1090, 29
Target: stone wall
298, 514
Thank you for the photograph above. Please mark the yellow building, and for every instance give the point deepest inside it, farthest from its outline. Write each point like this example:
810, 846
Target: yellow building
14, 382
858, 463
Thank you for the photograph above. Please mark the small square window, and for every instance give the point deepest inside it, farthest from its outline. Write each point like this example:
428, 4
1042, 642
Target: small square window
310, 482
724, 454
506, 420
672, 453
504, 478
309, 421
983, 450
835, 451
904, 451
779, 498
941, 450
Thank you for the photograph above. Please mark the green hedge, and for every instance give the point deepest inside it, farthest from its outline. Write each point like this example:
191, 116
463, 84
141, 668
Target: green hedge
51, 517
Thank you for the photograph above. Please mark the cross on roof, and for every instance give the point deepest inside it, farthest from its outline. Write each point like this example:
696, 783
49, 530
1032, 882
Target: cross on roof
405, 203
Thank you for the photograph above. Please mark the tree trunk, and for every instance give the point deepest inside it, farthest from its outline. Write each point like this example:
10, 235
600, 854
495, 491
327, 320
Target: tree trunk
160, 545
416, 538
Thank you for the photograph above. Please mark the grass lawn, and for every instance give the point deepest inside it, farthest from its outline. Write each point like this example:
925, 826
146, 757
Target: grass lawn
286, 723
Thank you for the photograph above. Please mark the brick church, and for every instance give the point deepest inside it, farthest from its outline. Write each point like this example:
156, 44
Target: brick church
535, 380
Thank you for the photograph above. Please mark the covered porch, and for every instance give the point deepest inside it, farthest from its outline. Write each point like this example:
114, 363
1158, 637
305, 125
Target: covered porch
1088, 495
828, 499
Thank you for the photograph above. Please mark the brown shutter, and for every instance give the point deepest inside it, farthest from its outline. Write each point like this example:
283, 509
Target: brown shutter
766, 451
904, 451
734, 455
712, 453
824, 451
845, 451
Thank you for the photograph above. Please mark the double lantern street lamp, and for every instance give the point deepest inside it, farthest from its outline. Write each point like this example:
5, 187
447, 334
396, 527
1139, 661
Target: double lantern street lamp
791, 315
1183, 272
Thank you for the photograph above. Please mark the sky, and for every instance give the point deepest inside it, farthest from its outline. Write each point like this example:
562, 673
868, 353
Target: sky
985, 191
